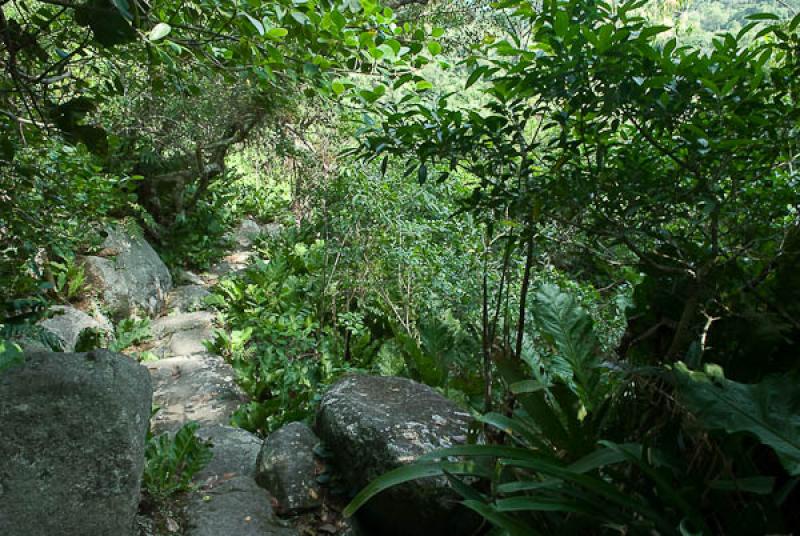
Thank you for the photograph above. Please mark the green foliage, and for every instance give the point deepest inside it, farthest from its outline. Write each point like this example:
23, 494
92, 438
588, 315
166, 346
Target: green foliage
531, 488
59, 196
697, 22
594, 149
10, 355
532, 179
767, 409
568, 328
25, 329
554, 473
387, 293
281, 354
172, 461
198, 239
69, 278
130, 332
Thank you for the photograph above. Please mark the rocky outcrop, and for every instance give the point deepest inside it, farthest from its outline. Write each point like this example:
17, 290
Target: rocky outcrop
287, 469
236, 506
77, 330
131, 278
72, 433
197, 388
375, 424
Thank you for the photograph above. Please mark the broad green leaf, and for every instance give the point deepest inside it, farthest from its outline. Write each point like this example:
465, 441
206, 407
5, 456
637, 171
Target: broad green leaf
159, 31
277, 33
569, 328
124, 8
770, 409
528, 504
652, 31
256, 23
526, 386
763, 16
300, 17
404, 474
597, 459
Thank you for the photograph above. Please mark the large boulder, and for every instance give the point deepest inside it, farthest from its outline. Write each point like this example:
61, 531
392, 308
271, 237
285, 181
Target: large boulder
77, 330
72, 440
130, 278
235, 452
236, 506
287, 469
374, 424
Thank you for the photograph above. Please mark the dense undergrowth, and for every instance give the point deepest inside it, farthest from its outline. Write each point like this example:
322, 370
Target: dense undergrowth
578, 224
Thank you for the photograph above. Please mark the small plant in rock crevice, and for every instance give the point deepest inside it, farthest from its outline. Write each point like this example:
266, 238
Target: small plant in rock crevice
172, 461
130, 332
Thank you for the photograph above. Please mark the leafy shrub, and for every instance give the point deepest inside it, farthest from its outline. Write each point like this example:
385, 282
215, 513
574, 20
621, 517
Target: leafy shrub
198, 239
129, 332
554, 473
69, 279
281, 352
56, 192
172, 461
10, 355
21, 320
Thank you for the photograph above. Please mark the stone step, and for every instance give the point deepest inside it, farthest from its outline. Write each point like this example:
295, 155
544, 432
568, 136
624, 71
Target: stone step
235, 453
187, 298
235, 506
182, 334
199, 388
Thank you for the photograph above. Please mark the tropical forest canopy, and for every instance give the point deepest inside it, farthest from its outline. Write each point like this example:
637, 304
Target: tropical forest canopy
578, 219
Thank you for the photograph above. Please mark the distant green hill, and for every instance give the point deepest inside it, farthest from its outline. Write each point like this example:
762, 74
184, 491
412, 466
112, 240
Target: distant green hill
696, 21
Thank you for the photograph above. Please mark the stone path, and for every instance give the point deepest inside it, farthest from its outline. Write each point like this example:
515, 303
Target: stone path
192, 384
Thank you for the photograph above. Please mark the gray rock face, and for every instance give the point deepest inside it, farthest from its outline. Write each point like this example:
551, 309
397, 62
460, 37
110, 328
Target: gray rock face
187, 298
246, 233
273, 230
185, 276
135, 280
197, 388
375, 424
182, 334
235, 507
184, 343
231, 264
287, 469
76, 329
171, 324
72, 450
235, 452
